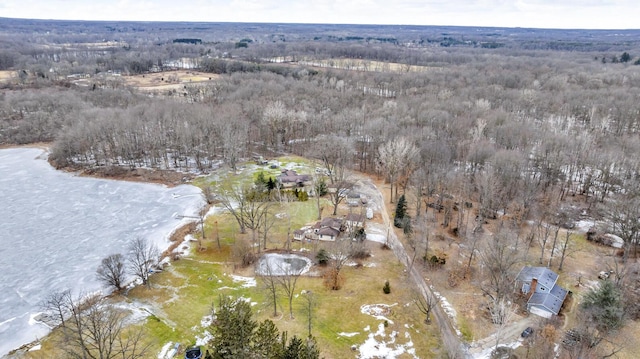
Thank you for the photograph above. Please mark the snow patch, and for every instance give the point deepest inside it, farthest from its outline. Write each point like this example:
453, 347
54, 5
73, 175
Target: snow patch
376, 347
348, 335
486, 354
247, 282
169, 350
204, 338
448, 309
377, 311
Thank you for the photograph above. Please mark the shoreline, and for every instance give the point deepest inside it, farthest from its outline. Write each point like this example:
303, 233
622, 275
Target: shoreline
168, 178
176, 237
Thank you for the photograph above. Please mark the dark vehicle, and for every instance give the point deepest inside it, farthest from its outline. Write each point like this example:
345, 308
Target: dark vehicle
193, 353
527, 332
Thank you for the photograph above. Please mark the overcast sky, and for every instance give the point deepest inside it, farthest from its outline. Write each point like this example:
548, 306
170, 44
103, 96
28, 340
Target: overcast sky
582, 14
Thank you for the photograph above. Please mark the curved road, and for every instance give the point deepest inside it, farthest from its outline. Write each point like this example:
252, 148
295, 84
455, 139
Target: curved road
452, 342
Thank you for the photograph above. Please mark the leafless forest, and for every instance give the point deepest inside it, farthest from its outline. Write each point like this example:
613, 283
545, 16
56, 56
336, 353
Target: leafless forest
532, 126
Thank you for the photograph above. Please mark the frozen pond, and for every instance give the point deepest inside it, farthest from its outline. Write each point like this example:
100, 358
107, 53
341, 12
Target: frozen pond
55, 228
282, 264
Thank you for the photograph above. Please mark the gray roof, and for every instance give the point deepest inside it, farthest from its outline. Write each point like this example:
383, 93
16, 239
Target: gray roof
543, 275
549, 300
328, 231
290, 176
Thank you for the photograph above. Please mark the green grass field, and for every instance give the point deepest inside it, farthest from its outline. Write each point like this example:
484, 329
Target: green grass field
182, 295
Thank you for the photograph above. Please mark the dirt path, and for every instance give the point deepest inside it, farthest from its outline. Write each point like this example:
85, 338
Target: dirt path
452, 341
508, 335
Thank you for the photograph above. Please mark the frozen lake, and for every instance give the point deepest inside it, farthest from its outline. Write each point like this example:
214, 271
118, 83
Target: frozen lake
55, 228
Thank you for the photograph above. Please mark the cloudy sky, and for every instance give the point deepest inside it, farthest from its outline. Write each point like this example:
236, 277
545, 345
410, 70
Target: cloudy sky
583, 14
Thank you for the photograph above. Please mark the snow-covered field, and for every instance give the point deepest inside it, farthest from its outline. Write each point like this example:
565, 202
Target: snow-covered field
55, 228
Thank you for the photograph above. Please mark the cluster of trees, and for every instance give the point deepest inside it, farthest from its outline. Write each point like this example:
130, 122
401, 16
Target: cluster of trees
93, 328
139, 263
237, 335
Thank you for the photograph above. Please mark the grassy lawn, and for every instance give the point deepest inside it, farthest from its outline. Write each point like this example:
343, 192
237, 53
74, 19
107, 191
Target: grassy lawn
183, 294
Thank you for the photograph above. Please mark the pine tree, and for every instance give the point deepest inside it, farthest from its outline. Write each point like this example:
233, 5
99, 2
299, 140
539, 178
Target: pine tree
401, 212
233, 329
271, 184
604, 307
267, 341
237, 335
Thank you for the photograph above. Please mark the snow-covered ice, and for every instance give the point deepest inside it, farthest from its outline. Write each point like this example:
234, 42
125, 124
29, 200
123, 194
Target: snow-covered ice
57, 227
282, 264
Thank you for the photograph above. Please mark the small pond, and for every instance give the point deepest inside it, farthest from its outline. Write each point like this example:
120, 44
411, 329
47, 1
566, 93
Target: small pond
282, 264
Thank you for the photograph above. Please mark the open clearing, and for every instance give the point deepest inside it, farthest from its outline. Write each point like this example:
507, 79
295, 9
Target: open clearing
6, 75
367, 65
167, 80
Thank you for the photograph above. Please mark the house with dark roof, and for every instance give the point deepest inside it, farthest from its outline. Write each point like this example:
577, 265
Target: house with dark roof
540, 285
327, 234
291, 179
353, 220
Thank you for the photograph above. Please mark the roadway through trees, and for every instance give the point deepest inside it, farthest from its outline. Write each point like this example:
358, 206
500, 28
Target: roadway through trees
454, 345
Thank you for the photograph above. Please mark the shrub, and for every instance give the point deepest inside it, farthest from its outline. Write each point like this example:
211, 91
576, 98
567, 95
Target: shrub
322, 257
436, 261
387, 287
333, 279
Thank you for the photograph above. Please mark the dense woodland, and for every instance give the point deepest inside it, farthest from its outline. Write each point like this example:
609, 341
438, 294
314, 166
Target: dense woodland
530, 125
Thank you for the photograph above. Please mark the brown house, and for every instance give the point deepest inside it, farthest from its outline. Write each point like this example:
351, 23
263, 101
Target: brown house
291, 179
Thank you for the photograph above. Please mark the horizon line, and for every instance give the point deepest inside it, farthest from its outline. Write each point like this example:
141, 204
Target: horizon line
318, 23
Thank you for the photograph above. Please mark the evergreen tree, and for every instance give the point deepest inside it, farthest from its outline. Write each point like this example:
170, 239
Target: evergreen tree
401, 212
625, 57
301, 349
271, 184
237, 335
233, 329
267, 341
604, 307
321, 188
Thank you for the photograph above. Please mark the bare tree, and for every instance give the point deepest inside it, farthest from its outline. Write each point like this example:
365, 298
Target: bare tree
275, 117
425, 305
310, 303
566, 249
499, 261
340, 252
142, 256
268, 220
502, 313
112, 271
255, 214
270, 283
624, 216
288, 280
394, 157
97, 330
56, 305
320, 189
544, 232
336, 154
235, 201
234, 136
